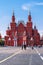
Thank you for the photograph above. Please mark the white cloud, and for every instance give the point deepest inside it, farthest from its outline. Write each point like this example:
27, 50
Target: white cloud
29, 5
26, 6
41, 32
4, 21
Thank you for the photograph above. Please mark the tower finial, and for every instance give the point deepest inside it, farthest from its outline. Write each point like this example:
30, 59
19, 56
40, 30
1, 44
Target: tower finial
13, 12
29, 13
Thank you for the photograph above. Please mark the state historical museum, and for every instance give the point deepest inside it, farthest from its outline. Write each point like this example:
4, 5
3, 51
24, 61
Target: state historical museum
18, 34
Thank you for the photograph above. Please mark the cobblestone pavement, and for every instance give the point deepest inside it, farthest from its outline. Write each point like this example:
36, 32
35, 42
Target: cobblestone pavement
17, 56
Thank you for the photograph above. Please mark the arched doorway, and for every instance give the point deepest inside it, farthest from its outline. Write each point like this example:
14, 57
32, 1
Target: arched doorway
15, 41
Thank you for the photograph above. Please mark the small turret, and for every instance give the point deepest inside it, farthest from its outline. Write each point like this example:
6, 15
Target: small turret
8, 27
35, 27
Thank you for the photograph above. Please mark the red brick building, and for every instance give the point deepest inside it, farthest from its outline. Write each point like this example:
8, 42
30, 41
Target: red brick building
18, 34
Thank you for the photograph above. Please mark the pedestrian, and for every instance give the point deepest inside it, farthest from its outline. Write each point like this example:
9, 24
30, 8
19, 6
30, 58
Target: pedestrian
25, 47
32, 48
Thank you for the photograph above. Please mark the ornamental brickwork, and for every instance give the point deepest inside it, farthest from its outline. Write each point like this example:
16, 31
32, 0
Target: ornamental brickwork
17, 34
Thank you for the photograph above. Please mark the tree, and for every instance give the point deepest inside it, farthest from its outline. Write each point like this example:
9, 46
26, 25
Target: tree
1, 42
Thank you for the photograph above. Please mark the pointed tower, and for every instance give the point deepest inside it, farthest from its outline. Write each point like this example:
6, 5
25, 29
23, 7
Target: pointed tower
13, 17
29, 17
8, 27
13, 23
35, 27
7, 31
36, 36
29, 25
35, 30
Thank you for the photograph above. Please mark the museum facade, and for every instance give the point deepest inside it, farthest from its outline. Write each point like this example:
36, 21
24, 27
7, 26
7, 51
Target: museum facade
20, 33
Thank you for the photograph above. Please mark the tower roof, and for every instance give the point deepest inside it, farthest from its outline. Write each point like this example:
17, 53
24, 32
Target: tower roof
21, 21
35, 27
8, 27
13, 17
29, 16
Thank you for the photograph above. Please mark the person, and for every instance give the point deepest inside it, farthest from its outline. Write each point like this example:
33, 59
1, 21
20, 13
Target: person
32, 48
25, 45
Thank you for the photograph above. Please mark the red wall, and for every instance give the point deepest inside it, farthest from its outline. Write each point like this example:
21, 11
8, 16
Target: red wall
20, 28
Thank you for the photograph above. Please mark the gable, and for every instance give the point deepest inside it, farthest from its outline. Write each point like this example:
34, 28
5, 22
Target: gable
21, 25
21, 28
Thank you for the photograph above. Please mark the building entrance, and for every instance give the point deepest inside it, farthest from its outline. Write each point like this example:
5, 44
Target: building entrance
15, 41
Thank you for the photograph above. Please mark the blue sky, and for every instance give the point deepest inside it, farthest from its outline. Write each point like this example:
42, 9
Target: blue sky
21, 9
